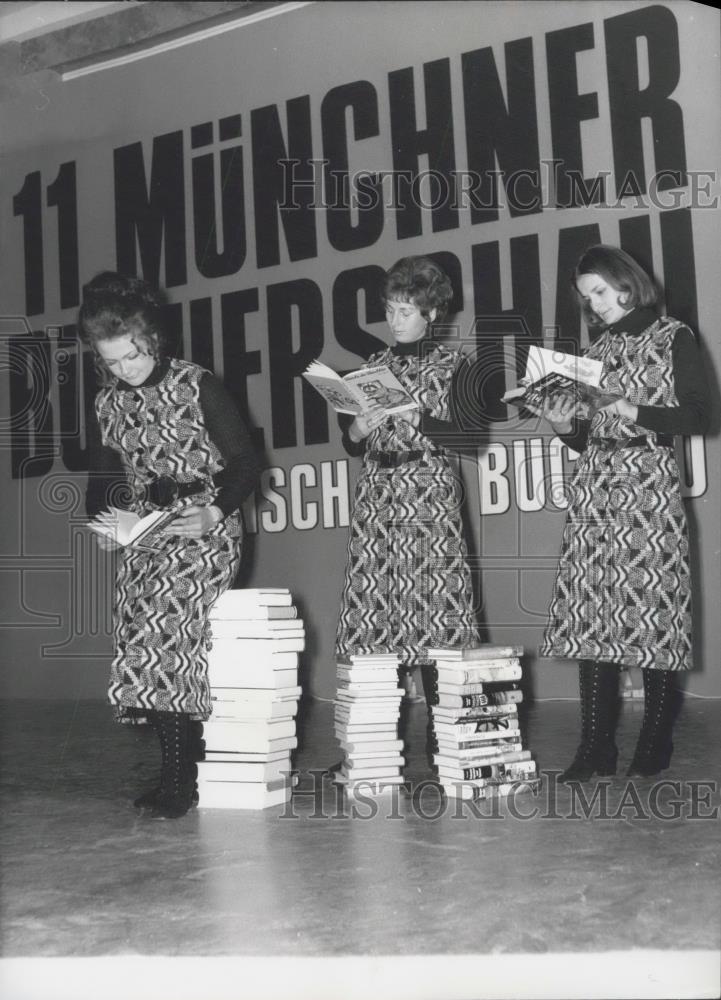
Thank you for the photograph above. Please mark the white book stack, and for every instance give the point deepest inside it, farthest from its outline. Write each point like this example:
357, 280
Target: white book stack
366, 709
475, 719
253, 675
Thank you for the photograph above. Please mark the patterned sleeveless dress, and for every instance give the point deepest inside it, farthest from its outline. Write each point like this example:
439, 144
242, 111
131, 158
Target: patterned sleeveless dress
161, 632
407, 581
623, 588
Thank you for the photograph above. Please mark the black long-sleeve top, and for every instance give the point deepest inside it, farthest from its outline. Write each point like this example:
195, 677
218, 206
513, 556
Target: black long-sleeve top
692, 414
226, 429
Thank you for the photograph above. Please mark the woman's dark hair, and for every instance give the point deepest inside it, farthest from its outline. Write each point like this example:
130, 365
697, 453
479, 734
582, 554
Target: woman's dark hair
115, 305
421, 281
620, 270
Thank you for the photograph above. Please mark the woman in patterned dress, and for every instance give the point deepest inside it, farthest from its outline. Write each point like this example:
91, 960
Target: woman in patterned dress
182, 445
623, 590
407, 582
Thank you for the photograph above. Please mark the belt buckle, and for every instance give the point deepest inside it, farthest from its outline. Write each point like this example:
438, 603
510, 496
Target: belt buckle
167, 490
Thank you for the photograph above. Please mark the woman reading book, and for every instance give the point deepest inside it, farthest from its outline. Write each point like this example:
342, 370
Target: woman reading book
183, 447
623, 589
407, 582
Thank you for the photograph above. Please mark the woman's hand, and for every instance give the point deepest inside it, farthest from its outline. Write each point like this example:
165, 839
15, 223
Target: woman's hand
559, 410
622, 408
412, 417
194, 522
366, 422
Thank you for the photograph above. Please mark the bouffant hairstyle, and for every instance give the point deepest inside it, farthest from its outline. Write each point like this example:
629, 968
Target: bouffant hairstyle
421, 281
620, 270
115, 305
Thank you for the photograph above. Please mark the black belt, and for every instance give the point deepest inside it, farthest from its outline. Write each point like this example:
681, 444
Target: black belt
392, 459
661, 440
165, 490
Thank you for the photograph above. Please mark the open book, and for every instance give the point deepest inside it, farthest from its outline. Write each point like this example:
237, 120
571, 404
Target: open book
356, 391
552, 372
127, 528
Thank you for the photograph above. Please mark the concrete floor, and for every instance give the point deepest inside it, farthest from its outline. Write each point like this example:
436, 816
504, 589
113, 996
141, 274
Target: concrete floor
405, 879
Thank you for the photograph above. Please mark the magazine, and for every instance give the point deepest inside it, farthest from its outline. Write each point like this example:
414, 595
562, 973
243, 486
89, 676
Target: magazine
356, 391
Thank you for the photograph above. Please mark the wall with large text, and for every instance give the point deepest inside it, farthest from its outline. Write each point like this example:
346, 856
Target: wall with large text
266, 177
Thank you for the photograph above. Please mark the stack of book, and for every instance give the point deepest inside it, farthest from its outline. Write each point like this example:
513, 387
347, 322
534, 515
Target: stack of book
253, 674
367, 706
475, 718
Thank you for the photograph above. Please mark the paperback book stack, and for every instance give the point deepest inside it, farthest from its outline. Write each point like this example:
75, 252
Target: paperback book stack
475, 718
367, 706
253, 674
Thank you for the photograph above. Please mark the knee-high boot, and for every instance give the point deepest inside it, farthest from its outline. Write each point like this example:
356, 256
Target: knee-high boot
429, 676
147, 799
196, 743
195, 753
178, 773
597, 753
654, 746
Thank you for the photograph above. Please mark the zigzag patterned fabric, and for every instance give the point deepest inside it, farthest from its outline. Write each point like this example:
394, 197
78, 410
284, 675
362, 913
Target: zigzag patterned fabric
623, 589
161, 631
407, 582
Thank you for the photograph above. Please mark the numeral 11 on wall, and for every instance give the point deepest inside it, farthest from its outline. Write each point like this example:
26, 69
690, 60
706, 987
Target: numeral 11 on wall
62, 195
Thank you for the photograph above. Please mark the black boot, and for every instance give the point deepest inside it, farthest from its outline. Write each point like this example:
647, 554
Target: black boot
178, 774
597, 753
196, 752
654, 747
196, 743
429, 676
148, 799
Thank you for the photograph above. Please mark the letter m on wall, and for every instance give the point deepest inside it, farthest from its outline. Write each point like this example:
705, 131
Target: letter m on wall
151, 218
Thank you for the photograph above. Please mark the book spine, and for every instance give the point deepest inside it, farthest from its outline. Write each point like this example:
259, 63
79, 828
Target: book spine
474, 675
459, 688
250, 748
236, 692
480, 663
508, 780
268, 681
281, 663
282, 639
500, 725
495, 748
475, 653
261, 614
475, 792
502, 756
368, 660
459, 716
511, 696
492, 772
353, 685
259, 652
384, 745
381, 771
465, 740
367, 676
460, 701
